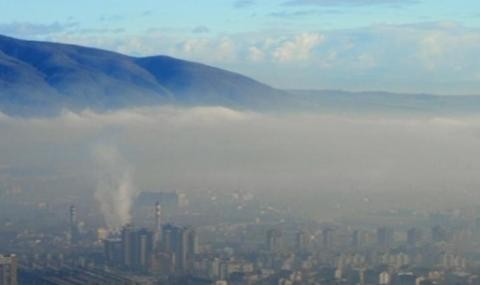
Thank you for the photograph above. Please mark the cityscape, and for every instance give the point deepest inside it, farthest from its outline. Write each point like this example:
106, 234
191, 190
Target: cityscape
239, 142
172, 240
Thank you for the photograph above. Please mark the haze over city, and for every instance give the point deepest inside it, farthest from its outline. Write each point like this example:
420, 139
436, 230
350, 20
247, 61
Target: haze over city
240, 142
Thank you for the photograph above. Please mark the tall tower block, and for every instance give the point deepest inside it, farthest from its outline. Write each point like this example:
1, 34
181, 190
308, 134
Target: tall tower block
73, 224
158, 223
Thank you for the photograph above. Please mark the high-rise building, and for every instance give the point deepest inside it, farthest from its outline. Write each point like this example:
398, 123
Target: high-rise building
414, 235
328, 237
158, 224
126, 236
193, 241
302, 241
385, 236
74, 232
439, 234
168, 237
359, 238
136, 248
8, 270
113, 251
181, 242
274, 240
142, 249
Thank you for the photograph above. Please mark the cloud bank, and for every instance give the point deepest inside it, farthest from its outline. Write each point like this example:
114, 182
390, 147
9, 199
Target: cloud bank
323, 163
429, 57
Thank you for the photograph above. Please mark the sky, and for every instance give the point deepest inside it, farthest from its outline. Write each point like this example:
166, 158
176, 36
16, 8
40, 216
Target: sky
412, 46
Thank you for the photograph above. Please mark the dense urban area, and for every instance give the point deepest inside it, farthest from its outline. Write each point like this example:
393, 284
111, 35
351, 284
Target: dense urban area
235, 238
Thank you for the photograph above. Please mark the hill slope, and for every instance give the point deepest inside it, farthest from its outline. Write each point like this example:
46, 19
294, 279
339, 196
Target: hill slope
41, 77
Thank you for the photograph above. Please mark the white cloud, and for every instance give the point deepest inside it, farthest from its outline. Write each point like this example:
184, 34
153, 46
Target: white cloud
403, 58
299, 48
209, 50
255, 54
447, 48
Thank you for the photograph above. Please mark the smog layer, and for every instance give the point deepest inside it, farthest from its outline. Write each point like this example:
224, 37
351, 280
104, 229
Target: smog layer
364, 160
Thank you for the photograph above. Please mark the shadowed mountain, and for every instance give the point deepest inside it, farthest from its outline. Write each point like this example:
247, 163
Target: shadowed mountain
41, 78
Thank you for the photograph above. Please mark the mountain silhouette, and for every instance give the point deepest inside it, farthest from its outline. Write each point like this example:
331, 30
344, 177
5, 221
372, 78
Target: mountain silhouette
42, 77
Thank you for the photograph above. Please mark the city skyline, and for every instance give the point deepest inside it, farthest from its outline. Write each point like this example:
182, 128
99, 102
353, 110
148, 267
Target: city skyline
240, 142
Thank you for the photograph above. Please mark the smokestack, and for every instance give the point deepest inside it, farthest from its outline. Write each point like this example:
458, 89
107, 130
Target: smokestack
158, 222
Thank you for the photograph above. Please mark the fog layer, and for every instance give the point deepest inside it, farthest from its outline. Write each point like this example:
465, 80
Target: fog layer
324, 162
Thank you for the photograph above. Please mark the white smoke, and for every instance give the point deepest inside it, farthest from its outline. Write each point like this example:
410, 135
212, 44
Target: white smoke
115, 191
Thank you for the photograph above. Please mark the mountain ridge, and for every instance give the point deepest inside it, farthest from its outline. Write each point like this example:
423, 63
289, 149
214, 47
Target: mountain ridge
43, 78
43, 75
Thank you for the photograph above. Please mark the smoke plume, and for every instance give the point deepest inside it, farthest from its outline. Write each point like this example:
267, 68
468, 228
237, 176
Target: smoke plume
115, 190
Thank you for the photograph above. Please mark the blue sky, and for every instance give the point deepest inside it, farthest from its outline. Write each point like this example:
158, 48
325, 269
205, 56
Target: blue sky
396, 45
